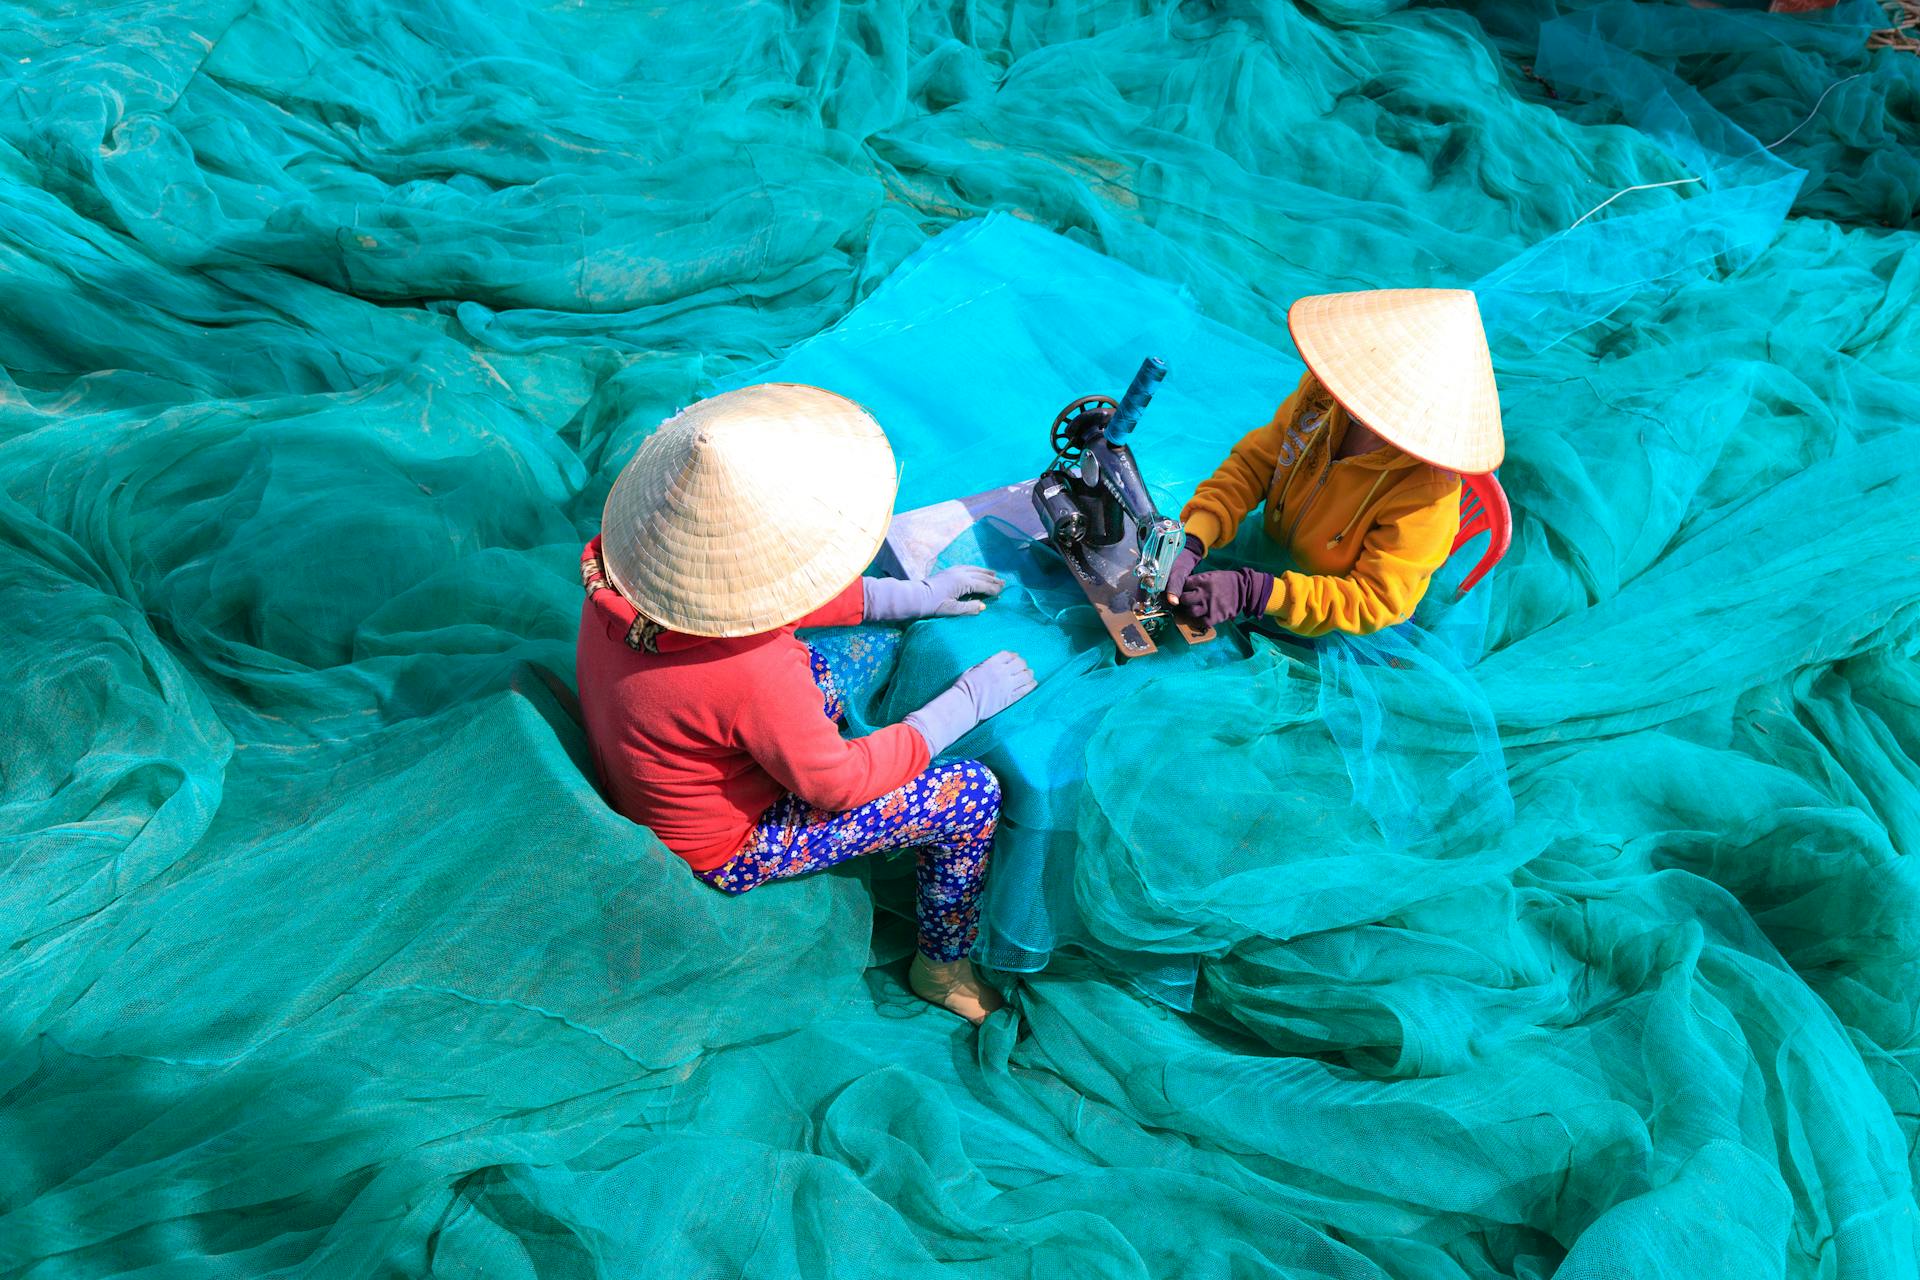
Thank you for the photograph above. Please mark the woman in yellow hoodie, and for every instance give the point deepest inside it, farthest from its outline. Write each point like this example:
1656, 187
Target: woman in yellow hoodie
1360, 468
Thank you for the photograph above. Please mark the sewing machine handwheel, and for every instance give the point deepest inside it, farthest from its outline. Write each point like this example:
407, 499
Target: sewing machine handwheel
1062, 437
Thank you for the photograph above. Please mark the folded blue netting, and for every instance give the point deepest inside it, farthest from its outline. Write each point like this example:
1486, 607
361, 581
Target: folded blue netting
1573, 934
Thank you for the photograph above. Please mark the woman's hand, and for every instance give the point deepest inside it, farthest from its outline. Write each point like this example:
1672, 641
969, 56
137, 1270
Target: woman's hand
981, 692
951, 587
1183, 565
997, 683
1225, 594
944, 595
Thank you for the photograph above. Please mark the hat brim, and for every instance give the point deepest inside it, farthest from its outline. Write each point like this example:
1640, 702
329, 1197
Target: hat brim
1412, 364
750, 510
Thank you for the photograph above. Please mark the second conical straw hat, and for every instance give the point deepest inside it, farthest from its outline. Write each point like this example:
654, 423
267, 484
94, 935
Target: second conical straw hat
749, 510
1413, 365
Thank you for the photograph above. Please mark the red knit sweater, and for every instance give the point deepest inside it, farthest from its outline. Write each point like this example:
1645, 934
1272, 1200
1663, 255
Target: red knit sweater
694, 741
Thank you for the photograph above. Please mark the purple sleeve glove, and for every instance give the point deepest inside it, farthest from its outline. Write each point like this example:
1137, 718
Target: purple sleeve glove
941, 596
1225, 594
1192, 554
981, 692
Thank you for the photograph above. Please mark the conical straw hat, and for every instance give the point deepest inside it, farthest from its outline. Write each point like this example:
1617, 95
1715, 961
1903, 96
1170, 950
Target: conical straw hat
1413, 365
749, 510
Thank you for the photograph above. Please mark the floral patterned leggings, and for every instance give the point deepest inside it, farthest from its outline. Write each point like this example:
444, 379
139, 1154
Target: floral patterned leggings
948, 812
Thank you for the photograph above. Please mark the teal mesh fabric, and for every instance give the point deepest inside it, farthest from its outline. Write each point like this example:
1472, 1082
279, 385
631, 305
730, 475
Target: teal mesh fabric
1573, 934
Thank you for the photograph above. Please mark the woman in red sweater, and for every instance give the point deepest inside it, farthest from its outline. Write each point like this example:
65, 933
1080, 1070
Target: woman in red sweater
740, 520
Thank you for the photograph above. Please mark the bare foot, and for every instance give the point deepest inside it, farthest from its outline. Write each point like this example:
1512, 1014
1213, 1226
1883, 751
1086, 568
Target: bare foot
954, 986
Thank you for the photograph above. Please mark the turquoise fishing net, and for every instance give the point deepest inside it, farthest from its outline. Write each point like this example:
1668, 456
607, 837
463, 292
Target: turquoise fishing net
1569, 934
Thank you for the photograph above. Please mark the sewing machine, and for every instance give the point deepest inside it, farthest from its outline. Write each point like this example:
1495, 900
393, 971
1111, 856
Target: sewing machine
1098, 515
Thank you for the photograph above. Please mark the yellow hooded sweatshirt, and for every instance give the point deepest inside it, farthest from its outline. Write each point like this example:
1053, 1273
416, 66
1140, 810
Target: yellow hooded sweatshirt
1365, 533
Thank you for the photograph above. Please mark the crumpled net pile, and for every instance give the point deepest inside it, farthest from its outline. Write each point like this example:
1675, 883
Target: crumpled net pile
1573, 934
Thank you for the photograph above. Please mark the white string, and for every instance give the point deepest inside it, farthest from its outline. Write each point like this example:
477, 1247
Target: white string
1645, 186
1681, 182
1816, 109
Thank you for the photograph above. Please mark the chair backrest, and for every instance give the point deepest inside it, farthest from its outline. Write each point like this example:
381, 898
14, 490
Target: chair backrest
1483, 509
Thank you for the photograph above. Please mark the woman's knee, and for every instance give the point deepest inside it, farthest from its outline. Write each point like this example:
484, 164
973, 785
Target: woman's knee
969, 776
988, 785
965, 800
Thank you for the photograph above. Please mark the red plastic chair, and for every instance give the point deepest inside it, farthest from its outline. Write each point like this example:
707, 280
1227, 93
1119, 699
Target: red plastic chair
1483, 509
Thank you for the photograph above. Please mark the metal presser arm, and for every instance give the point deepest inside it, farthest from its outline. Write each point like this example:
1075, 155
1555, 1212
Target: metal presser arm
1118, 473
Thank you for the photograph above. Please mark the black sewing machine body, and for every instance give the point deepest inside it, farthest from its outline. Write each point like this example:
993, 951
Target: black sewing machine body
1099, 516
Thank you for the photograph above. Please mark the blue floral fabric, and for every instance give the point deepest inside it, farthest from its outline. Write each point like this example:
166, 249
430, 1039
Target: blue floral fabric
851, 664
